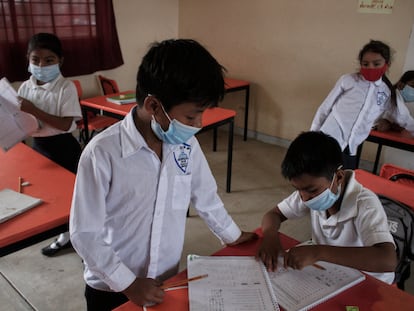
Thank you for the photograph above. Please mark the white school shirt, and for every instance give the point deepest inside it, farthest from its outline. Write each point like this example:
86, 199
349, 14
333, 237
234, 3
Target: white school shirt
350, 110
58, 97
129, 209
360, 221
403, 115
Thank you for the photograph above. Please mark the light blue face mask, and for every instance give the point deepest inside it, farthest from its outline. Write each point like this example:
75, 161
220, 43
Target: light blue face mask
408, 93
324, 200
177, 132
46, 73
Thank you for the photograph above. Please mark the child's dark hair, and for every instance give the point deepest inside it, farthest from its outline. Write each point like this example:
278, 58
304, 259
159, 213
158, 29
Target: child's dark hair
313, 153
181, 70
384, 50
407, 77
45, 41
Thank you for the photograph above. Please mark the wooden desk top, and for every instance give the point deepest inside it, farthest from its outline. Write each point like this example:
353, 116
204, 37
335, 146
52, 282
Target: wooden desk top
371, 294
230, 84
380, 185
401, 137
48, 181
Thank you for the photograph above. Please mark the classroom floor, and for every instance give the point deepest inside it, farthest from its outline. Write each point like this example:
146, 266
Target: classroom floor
31, 281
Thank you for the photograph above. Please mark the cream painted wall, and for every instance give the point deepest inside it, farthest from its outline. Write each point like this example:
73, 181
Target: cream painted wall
139, 22
292, 51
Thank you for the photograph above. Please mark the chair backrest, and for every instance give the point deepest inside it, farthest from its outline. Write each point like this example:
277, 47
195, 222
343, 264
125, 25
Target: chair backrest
108, 86
397, 174
78, 87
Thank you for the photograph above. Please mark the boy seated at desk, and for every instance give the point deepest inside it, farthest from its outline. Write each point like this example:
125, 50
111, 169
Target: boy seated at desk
349, 224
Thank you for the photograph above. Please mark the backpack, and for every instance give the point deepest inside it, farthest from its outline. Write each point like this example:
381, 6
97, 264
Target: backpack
401, 225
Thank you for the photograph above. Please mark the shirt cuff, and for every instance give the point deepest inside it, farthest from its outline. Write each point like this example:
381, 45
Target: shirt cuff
230, 234
120, 278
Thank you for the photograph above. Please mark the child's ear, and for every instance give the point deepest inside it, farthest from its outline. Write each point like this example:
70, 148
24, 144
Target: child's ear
61, 61
151, 104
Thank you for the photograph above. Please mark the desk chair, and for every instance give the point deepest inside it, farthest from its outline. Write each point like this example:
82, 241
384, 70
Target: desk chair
398, 174
108, 86
96, 122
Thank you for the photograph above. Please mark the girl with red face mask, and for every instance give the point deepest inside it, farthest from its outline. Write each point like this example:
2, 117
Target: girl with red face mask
357, 101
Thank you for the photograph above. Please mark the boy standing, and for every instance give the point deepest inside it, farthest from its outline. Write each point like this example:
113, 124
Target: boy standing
349, 224
136, 180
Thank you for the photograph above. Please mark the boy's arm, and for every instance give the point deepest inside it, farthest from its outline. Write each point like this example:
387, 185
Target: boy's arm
380, 257
270, 247
144, 291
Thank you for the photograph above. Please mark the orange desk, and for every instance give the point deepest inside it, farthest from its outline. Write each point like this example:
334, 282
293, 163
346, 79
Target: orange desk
371, 294
400, 140
380, 185
212, 119
235, 85
48, 181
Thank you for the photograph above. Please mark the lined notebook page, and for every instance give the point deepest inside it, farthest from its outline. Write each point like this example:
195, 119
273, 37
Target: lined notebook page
306, 288
233, 284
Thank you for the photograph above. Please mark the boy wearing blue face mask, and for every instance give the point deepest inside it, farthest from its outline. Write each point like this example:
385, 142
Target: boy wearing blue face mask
402, 117
349, 224
54, 101
137, 178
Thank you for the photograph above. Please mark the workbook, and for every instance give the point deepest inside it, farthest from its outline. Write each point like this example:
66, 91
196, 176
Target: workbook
122, 99
15, 125
13, 203
243, 283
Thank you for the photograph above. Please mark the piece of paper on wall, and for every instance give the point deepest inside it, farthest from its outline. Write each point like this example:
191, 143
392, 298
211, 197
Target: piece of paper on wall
375, 6
409, 58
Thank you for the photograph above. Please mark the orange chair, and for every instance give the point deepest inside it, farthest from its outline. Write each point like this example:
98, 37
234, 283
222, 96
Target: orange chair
96, 122
108, 86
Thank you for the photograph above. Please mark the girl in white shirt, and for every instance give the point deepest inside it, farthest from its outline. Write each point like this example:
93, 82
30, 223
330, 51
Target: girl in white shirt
356, 101
54, 101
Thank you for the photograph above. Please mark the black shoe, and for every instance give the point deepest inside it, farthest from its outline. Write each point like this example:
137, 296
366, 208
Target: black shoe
49, 251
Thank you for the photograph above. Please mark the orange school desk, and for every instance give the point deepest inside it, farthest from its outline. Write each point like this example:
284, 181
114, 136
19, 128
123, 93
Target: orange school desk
212, 119
49, 182
400, 140
371, 294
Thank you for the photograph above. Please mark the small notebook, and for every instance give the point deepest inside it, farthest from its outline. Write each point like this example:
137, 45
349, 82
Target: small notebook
13, 203
122, 99
306, 288
233, 284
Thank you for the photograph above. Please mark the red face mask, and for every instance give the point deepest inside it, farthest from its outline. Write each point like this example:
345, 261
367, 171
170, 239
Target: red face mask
373, 74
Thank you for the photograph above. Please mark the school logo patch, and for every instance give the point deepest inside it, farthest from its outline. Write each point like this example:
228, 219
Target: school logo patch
182, 157
381, 98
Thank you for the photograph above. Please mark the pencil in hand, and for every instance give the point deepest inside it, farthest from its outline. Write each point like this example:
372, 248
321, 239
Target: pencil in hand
318, 266
20, 184
183, 282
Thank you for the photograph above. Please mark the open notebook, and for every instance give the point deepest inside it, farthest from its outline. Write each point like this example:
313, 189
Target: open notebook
242, 283
13, 203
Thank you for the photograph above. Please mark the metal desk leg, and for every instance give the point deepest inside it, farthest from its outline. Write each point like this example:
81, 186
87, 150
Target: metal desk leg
246, 112
377, 158
230, 155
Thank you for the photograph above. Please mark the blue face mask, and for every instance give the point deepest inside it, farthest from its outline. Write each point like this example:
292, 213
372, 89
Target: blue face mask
408, 93
324, 200
177, 132
46, 73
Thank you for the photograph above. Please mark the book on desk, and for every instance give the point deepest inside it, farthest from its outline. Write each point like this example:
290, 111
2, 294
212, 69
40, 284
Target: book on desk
122, 99
13, 203
242, 282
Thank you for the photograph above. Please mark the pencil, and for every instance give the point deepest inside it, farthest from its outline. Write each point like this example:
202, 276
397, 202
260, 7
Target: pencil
20, 184
182, 282
319, 266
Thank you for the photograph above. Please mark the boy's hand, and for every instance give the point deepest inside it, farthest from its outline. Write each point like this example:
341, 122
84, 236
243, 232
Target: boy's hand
145, 291
301, 256
269, 251
244, 237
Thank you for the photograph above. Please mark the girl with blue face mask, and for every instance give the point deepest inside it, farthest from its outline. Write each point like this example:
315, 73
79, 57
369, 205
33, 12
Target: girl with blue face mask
54, 101
402, 117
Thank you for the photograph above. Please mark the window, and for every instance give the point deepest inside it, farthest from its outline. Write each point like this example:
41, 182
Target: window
86, 28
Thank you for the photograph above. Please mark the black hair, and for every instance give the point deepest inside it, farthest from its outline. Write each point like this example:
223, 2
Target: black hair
384, 50
407, 77
313, 153
180, 70
45, 41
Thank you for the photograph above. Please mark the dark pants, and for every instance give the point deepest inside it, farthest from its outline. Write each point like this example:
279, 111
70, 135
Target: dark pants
349, 161
98, 300
62, 149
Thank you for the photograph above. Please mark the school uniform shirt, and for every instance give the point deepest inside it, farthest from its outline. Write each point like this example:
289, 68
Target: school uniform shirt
403, 114
360, 221
129, 208
350, 110
58, 97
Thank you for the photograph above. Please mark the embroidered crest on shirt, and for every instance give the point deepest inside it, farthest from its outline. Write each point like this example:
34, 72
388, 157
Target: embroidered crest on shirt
381, 98
182, 156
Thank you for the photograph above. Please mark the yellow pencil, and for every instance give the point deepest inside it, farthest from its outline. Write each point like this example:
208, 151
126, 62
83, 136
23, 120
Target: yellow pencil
182, 282
20, 184
318, 266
